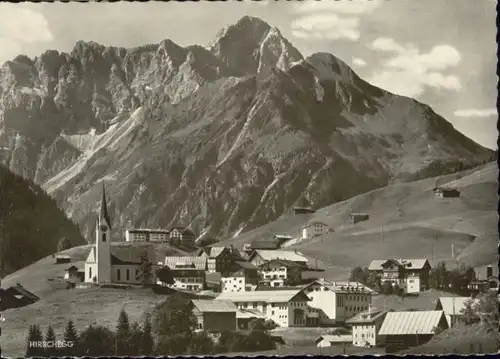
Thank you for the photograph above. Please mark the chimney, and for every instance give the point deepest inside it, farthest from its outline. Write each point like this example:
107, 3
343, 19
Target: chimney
489, 271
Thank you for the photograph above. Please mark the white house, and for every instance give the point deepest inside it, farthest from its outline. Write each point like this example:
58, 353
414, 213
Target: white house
336, 304
242, 277
315, 229
74, 274
259, 257
366, 326
287, 308
115, 262
412, 275
188, 272
147, 235
329, 340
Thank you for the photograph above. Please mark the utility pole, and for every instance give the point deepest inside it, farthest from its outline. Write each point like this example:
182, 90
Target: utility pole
433, 242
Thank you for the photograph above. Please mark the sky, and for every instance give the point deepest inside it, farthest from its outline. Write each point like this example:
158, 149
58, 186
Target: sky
440, 52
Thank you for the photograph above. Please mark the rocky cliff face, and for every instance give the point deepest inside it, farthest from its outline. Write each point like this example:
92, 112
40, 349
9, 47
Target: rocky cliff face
222, 138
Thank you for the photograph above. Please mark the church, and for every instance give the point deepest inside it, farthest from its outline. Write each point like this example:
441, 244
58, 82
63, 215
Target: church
117, 262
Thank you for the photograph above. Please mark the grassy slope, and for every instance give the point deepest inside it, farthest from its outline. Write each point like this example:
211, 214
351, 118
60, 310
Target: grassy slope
405, 221
57, 304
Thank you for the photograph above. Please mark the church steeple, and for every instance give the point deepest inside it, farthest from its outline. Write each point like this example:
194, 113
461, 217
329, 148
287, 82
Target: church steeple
103, 215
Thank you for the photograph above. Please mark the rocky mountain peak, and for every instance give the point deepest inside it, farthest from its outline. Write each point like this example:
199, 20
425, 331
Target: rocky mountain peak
252, 45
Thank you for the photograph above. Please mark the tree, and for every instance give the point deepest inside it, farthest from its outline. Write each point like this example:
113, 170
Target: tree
145, 274
70, 338
63, 244
173, 323
357, 275
200, 343
50, 337
386, 288
147, 341
96, 341
34, 341
165, 275
122, 334
135, 340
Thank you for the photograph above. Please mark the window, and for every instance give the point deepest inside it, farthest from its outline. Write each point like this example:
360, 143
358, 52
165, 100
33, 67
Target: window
118, 275
128, 274
255, 304
244, 305
103, 237
412, 281
90, 272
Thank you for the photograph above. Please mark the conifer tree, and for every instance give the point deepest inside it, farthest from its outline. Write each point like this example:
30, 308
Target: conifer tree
147, 341
34, 338
70, 338
50, 338
135, 340
122, 334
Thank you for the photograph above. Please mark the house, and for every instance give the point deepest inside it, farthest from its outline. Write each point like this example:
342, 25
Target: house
219, 259
147, 235
303, 210
486, 279
62, 259
453, 307
214, 315
243, 276
182, 236
287, 308
329, 340
110, 262
282, 238
281, 271
259, 257
412, 275
245, 316
213, 281
411, 328
315, 229
188, 272
271, 243
443, 192
358, 217
74, 274
335, 304
16, 296
366, 326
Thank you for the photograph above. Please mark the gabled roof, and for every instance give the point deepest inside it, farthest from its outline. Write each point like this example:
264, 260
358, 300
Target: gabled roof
245, 265
411, 323
408, 263
334, 338
214, 277
249, 314
268, 296
453, 305
265, 244
285, 263
268, 255
341, 287
199, 263
132, 254
368, 316
212, 306
19, 290
91, 258
214, 252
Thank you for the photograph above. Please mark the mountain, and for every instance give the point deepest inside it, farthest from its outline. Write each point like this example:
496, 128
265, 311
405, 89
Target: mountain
406, 221
31, 224
222, 138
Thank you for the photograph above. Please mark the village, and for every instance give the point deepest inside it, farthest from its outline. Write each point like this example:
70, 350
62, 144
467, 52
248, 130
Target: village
232, 287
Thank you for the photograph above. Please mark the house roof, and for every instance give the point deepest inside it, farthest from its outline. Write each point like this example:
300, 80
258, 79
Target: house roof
148, 230
338, 338
411, 323
210, 305
245, 265
341, 287
268, 244
359, 214
199, 263
19, 290
453, 305
249, 314
285, 263
132, 254
445, 189
62, 256
269, 255
183, 230
368, 316
312, 223
409, 263
213, 277
268, 296
214, 252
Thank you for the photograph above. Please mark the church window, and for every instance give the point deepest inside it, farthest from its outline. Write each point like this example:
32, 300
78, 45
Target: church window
90, 272
104, 237
128, 274
118, 275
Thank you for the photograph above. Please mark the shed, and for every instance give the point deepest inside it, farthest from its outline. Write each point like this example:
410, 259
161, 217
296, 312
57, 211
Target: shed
358, 217
444, 192
411, 328
63, 259
215, 315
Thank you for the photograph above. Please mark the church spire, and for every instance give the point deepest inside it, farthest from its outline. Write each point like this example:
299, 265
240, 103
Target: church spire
104, 208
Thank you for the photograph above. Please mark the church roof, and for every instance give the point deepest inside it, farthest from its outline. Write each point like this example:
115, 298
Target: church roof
132, 254
104, 208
